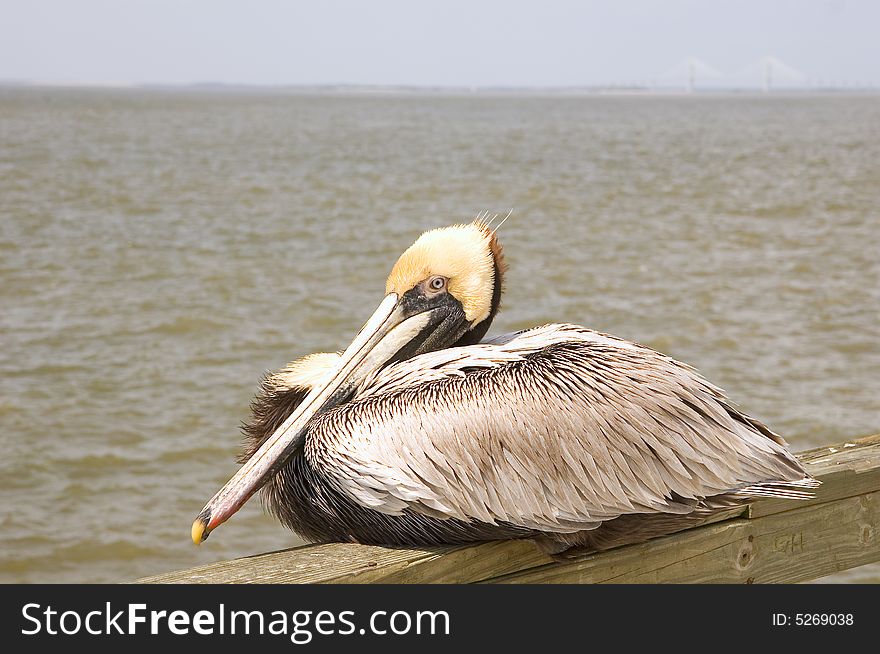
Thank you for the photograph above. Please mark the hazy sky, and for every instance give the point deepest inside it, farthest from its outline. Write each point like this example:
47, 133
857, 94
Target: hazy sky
429, 42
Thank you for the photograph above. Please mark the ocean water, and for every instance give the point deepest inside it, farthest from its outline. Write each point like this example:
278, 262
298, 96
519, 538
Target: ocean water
159, 251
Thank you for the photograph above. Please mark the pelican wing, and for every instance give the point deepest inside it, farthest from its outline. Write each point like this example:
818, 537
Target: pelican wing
556, 429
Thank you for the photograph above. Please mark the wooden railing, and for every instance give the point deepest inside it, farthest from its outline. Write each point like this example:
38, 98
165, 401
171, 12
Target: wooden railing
767, 541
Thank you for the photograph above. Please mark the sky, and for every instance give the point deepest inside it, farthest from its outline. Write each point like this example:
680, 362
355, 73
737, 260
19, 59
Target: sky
462, 43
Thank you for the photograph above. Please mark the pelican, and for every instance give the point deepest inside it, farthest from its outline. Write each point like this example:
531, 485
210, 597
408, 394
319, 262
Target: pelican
424, 432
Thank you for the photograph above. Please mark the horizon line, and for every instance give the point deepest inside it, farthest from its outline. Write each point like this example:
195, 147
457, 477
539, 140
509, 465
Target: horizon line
342, 87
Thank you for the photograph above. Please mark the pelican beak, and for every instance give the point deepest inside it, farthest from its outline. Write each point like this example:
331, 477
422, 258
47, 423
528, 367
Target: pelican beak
401, 327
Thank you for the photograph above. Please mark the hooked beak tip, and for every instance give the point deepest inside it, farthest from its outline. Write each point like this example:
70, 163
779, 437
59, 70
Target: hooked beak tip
200, 531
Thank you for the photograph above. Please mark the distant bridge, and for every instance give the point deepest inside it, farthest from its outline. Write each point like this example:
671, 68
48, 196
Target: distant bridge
763, 73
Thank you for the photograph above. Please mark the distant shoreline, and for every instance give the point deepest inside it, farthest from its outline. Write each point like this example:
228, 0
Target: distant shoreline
373, 90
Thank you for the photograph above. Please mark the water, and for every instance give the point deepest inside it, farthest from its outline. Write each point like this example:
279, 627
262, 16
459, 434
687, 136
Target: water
160, 250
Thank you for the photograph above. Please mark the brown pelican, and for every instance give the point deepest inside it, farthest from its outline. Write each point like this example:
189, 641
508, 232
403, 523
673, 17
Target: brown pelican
424, 432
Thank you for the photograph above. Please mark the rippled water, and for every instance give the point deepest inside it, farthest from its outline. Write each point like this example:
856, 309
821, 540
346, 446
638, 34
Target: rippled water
159, 251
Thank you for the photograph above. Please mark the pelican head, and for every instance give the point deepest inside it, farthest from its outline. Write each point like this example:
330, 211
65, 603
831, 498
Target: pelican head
444, 291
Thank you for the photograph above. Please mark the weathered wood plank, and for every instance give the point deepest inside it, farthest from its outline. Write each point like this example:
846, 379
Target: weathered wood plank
365, 564
830, 525
798, 545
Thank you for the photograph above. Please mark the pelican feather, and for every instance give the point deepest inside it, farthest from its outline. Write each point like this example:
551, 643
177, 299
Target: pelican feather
556, 430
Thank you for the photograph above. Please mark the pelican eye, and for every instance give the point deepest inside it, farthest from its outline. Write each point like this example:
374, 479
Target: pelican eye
437, 284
